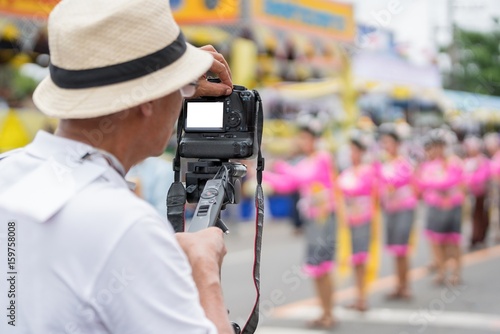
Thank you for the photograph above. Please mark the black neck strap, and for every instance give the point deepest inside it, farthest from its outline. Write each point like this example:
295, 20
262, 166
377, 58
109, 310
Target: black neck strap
113, 74
176, 198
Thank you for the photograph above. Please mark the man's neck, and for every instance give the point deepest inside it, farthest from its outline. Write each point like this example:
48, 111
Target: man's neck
110, 144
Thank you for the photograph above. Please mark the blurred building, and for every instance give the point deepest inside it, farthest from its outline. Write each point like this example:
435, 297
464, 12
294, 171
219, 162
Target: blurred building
390, 87
269, 41
297, 52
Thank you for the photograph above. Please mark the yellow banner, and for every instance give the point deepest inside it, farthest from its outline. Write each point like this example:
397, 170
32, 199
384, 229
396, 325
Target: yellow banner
206, 11
29, 8
244, 62
185, 11
13, 133
318, 17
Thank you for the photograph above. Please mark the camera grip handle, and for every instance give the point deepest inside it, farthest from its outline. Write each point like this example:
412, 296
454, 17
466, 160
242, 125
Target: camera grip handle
207, 211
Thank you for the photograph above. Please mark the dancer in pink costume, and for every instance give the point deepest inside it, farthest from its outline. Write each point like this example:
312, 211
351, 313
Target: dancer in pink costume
477, 175
440, 180
398, 199
313, 177
492, 144
357, 184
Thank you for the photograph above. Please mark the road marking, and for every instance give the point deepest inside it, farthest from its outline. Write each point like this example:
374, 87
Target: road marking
385, 283
419, 320
279, 330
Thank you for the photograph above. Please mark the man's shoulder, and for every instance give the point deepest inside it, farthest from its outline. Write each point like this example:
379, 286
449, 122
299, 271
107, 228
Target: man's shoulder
10, 153
105, 199
103, 214
13, 165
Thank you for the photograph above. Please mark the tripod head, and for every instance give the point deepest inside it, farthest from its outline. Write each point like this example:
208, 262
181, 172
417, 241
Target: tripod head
199, 172
212, 184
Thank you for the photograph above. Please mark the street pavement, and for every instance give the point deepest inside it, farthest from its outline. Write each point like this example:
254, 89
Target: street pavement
287, 296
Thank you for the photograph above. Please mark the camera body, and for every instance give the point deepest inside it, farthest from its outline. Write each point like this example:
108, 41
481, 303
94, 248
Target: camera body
221, 127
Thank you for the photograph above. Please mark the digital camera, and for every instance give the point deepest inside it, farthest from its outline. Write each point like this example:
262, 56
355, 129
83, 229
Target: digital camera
221, 127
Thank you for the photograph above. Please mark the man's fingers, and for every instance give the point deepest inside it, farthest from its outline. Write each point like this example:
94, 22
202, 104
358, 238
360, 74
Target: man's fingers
216, 230
219, 235
207, 88
221, 59
220, 66
222, 72
208, 48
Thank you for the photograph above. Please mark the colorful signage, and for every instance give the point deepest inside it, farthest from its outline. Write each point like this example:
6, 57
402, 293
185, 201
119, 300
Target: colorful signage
29, 8
206, 11
185, 11
319, 17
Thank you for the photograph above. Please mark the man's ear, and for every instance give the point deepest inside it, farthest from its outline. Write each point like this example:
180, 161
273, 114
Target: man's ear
146, 109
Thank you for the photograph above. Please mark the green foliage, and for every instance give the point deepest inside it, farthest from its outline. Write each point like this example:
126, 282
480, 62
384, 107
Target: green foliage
22, 86
13, 85
476, 62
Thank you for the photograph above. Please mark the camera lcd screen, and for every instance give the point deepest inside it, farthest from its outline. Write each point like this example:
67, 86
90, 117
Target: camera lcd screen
205, 116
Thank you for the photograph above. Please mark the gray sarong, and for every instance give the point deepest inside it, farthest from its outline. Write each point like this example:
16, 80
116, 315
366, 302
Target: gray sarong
398, 227
321, 240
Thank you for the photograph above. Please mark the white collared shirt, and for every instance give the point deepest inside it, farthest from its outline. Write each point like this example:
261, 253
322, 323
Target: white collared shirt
102, 262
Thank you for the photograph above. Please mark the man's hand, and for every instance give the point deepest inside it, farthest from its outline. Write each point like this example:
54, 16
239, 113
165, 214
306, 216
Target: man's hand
205, 250
219, 67
206, 246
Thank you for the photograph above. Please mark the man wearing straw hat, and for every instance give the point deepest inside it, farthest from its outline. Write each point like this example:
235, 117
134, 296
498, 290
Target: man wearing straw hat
86, 255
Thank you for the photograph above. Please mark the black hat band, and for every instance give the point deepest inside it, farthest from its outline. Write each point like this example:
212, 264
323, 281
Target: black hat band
113, 74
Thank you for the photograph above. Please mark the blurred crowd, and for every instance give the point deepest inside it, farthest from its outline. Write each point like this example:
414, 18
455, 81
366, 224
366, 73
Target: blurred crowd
399, 174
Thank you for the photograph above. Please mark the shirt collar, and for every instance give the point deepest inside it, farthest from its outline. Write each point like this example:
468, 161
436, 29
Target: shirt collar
46, 145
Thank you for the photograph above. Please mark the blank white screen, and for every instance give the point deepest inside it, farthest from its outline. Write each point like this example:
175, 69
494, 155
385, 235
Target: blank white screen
205, 115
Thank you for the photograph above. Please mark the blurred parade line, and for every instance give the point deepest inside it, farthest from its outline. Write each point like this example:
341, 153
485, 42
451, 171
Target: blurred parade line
306, 309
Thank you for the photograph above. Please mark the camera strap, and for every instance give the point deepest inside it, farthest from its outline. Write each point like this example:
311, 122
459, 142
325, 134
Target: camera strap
253, 320
176, 198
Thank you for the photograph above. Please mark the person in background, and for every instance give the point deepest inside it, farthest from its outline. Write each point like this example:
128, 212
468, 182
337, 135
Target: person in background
297, 221
477, 174
313, 177
398, 200
153, 178
358, 186
492, 145
440, 180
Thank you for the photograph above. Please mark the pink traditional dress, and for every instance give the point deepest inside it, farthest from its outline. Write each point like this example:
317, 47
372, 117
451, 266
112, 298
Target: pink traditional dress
357, 185
441, 183
477, 174
313, 177
396, 184
398, 199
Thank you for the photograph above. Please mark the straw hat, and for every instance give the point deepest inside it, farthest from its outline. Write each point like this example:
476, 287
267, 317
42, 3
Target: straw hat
108, 56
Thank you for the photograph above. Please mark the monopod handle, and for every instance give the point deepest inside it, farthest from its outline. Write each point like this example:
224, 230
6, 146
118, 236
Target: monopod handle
236, 327
220, 224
